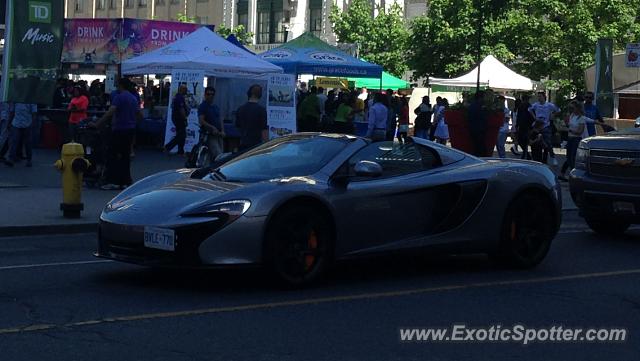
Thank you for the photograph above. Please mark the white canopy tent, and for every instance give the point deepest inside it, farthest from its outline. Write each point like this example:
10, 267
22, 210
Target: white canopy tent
493, 74
202, 50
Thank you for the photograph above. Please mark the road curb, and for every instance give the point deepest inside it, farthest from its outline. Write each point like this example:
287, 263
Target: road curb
38, 230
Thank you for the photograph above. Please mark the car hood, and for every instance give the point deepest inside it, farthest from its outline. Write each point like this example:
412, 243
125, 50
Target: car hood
628, 139
166, 204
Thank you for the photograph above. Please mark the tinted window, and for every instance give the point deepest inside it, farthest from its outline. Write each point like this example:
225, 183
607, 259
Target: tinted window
396, 159
284, 157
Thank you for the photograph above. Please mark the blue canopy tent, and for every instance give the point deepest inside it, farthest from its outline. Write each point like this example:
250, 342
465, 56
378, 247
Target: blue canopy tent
307, 54
233, 40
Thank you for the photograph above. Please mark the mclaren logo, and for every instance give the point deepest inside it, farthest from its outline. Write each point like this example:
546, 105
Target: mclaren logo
624, 162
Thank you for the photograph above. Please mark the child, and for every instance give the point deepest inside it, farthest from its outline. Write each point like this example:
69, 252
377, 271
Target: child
536, 141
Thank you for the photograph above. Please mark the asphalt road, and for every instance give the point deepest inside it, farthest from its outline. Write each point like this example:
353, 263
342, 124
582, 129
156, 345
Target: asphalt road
59, 303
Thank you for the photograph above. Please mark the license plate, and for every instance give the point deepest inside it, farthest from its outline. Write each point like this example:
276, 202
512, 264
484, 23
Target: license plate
624, 207
88, 150
159, 238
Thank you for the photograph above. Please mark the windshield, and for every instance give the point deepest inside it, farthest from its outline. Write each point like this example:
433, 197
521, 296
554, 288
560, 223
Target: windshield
280, 158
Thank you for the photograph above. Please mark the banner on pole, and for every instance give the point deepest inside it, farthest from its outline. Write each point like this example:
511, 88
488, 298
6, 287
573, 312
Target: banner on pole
604, 77
281, 109
633, 55
91, 41
194, 80
33, 45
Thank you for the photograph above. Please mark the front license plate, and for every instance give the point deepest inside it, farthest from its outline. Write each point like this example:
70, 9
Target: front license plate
159, 238
624, 207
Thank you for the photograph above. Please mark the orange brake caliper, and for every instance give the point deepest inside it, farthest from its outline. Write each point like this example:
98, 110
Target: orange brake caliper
312, 243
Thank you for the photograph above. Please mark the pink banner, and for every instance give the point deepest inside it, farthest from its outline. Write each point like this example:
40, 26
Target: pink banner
91, 41
142, 36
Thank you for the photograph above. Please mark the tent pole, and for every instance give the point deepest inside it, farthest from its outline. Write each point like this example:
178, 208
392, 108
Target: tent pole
479, 49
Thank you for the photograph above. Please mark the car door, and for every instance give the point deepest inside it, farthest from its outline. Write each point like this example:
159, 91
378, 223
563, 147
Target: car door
396, 207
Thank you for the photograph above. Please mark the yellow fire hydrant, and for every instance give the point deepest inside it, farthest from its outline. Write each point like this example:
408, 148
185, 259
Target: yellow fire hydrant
72, 165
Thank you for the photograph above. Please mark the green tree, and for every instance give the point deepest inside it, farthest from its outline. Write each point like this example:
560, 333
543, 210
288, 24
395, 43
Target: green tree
539, 38
184, 18
381, 40
244, 37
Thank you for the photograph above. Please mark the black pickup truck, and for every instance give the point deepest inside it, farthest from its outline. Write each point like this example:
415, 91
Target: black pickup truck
605, 184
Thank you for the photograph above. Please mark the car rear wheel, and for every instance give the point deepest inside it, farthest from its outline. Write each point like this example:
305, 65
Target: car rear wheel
297, 248
607, 226
527, 231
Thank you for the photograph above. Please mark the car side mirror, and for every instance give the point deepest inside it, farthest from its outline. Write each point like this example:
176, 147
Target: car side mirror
366, 168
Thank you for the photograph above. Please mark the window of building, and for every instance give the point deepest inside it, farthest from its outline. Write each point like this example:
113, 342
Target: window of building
175, 2
78, 6
204, 20
243, 13
243, 19
101, 4
264, 27
315, 21
128, 3
271, 19
202, 1
142, 3
112, 4
279, 31
160, 2
315, 17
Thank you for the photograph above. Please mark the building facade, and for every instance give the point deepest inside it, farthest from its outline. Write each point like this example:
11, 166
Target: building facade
272, 22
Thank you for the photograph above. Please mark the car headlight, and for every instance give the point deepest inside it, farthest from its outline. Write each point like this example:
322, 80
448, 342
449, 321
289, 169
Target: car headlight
229, 209
582, 157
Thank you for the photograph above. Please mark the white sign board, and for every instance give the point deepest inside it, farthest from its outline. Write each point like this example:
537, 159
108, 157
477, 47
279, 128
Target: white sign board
633, 55
110, 82
281, 105
194, 80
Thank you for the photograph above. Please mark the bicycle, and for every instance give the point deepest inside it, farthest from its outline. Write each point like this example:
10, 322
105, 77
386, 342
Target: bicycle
199, 156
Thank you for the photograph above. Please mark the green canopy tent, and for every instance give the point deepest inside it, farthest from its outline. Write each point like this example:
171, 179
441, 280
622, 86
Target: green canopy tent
388, 82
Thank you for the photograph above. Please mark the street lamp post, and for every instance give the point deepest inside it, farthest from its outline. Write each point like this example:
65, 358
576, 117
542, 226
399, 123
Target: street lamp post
479, 44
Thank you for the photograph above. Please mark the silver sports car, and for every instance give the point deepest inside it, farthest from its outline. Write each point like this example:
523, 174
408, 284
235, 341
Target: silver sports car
297, 203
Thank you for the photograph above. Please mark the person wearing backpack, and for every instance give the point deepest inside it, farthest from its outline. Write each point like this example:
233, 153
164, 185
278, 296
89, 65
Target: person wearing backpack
423, 119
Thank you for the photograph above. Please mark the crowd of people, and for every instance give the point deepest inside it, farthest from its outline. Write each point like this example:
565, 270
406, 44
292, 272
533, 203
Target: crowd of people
531, 126
386, 114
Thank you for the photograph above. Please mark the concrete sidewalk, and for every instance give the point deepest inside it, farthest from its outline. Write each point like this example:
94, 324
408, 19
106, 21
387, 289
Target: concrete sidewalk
31, 197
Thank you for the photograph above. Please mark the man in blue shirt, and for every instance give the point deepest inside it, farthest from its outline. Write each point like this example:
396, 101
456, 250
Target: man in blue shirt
124, 114
378, 117
21, 116
591, 111
210, 122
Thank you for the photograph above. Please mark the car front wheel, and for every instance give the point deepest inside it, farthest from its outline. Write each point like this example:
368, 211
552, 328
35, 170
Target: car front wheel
297, 247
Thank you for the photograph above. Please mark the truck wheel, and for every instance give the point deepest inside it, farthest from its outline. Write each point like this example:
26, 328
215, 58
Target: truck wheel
607, 226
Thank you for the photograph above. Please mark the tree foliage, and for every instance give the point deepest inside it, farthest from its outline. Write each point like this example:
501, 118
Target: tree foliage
539, 38
184, 18
381, 40
244, 37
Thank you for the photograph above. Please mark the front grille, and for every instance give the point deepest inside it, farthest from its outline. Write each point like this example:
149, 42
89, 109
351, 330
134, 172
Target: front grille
129, 244
615, 163
615, 171
615, 153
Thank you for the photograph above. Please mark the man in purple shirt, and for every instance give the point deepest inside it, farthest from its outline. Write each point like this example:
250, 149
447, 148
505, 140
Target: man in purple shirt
124, 114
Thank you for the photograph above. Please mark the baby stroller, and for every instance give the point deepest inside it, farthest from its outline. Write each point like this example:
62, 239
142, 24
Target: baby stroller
94, 142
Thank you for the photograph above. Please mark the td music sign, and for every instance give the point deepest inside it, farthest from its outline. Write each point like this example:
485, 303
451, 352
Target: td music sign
39, 12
